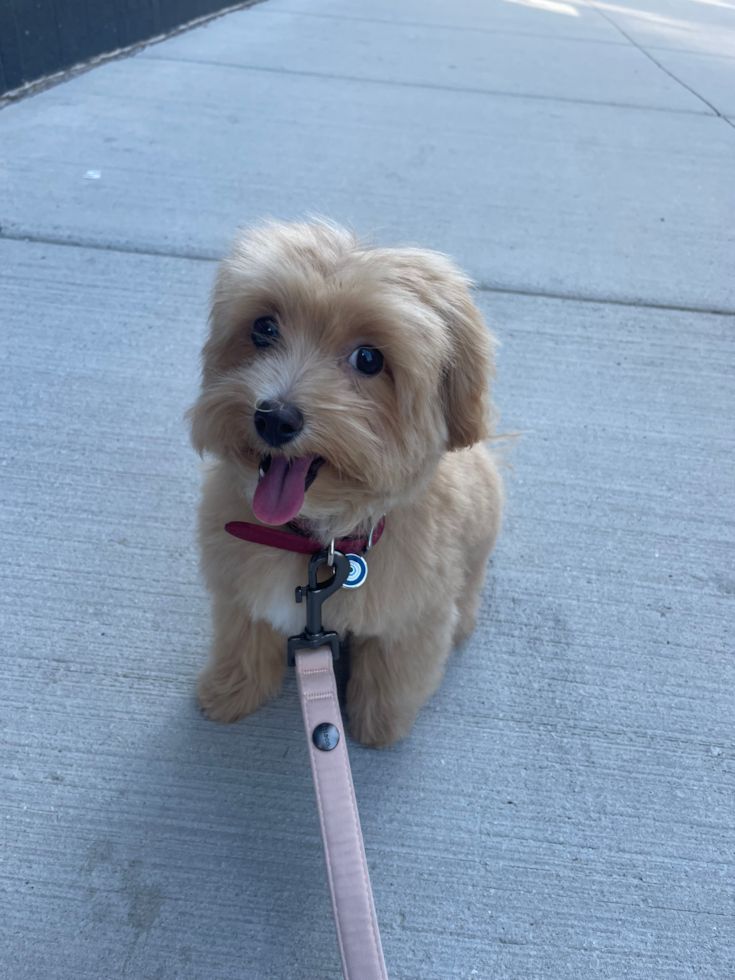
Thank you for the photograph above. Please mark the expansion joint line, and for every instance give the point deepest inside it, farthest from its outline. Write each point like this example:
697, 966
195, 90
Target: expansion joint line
647, 54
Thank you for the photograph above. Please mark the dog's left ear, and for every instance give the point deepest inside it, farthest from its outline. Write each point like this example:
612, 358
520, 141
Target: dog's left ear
469, 367
466, 386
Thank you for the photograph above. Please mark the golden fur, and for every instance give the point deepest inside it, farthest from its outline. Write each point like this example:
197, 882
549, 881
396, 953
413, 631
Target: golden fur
405, 442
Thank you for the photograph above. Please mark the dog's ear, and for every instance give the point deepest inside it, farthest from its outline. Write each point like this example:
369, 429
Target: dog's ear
469, 365
466, 386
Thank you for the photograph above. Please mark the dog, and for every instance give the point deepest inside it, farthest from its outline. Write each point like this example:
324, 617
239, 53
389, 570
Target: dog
340, 384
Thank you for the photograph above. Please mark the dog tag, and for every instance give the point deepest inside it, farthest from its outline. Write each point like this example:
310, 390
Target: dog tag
358, 572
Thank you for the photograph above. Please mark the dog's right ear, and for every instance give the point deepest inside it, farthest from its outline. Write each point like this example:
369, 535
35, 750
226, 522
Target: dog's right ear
469, 368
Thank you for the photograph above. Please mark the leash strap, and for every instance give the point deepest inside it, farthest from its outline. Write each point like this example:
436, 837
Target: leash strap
344, 851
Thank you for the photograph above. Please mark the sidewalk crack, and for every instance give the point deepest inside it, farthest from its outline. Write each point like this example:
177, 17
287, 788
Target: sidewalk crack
647, 54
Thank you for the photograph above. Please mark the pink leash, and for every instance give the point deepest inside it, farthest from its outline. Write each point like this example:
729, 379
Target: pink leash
313, 653
344, 851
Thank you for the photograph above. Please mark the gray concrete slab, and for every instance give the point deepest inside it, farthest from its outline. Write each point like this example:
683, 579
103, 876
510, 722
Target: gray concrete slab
686, 25
712, 76
563, 808
700, 26
564, 805
544, 18
532, 194
418, 55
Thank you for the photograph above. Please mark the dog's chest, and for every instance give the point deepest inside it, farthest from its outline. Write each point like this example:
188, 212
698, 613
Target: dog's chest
270, 596
268, 588
282, 612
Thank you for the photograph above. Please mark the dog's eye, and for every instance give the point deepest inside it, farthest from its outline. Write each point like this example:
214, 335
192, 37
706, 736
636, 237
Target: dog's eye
366, 360
265, 331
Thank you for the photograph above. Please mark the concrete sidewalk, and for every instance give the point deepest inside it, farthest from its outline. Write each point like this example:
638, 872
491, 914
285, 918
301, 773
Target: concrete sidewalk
564, 807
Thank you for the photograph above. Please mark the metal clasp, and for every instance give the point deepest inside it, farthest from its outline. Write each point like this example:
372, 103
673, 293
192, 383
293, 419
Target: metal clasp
315, 593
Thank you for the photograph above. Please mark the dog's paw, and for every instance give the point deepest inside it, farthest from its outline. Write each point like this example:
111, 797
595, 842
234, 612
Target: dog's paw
464, 629
228, 699
376, 729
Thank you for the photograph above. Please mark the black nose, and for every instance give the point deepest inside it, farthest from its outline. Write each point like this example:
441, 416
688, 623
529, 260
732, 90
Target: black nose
276, 423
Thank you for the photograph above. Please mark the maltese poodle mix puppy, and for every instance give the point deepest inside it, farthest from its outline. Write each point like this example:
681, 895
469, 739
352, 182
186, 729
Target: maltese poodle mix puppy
344, 389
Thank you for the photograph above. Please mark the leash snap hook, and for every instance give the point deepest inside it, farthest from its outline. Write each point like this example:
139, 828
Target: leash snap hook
315, 593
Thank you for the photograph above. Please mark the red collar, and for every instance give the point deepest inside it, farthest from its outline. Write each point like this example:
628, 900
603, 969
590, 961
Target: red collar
299, 541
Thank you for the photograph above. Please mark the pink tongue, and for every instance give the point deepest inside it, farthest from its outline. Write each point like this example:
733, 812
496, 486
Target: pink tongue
280, 493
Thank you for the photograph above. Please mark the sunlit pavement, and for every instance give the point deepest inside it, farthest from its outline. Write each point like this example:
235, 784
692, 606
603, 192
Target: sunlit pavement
564, 806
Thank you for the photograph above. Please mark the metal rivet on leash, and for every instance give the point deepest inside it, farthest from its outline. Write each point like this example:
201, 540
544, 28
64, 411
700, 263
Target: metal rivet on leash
325, 737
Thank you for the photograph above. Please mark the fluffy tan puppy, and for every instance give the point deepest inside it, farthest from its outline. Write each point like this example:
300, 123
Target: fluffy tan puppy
341, 383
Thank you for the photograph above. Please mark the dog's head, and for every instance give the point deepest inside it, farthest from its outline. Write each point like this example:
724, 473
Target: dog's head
339, 370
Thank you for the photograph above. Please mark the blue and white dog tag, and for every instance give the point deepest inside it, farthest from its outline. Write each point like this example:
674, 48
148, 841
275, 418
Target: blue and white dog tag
358, 572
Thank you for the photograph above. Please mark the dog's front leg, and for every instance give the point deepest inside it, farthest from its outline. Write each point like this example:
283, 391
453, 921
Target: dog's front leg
246, 664
391, 680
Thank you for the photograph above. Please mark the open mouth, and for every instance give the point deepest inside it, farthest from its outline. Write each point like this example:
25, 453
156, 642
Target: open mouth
282, 486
